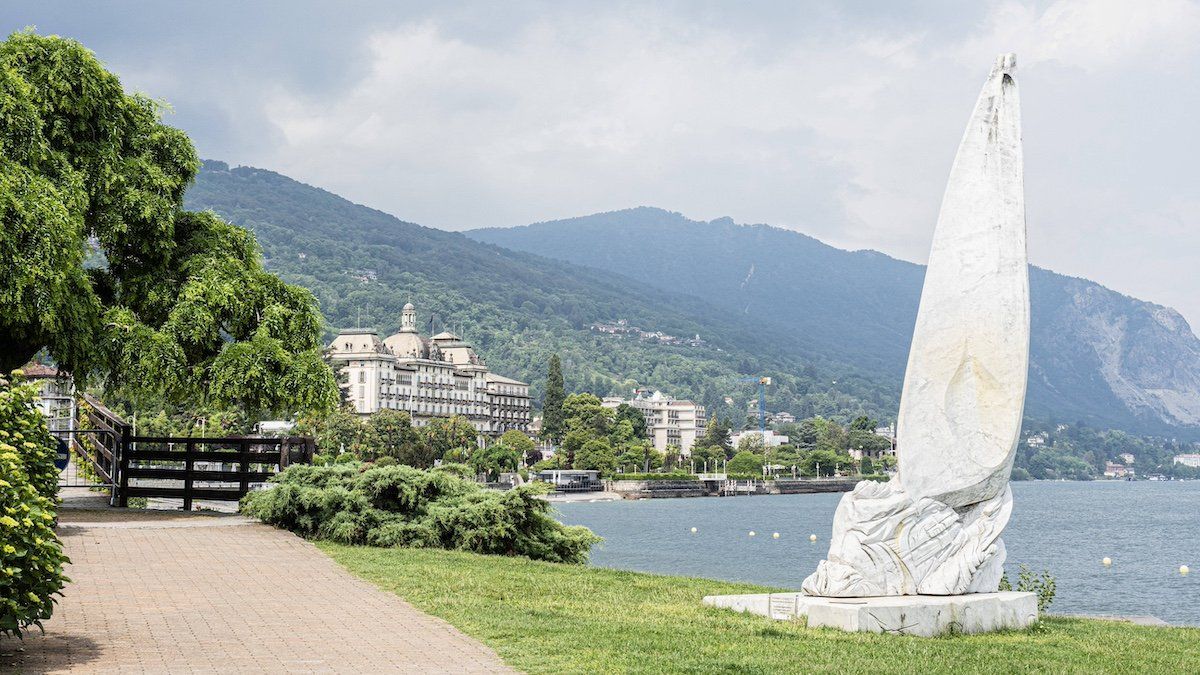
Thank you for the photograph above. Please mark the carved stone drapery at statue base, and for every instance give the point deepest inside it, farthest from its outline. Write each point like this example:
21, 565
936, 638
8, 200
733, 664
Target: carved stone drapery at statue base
885, 543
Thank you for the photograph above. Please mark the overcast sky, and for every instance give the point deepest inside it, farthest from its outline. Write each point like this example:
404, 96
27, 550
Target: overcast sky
836, 119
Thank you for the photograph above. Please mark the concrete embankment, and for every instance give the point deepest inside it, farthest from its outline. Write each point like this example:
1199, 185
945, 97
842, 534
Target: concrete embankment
656, 489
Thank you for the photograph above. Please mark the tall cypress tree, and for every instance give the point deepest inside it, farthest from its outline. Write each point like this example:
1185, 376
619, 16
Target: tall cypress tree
552, 405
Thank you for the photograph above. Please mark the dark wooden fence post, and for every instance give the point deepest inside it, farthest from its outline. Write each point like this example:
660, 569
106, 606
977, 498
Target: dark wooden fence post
122, 450
187, 475
244, 466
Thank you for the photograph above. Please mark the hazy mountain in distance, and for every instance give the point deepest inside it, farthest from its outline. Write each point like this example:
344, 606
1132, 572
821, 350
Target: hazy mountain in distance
1097, 356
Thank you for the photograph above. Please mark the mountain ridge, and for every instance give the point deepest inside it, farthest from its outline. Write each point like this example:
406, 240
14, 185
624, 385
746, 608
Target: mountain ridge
1098, 355
518, 308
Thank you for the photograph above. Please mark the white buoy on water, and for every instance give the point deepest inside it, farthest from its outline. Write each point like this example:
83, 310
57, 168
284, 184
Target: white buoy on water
1183, 569
693, 530
751, 533
1107, 562
774, 535
812, 537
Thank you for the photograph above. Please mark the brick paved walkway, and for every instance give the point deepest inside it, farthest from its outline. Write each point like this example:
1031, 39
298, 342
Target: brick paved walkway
159, 594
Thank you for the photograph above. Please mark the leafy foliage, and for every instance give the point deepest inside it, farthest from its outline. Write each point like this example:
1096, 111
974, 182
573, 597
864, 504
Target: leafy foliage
746, 462
31, 557
552, 401
494, 459
401, 506
181, 306
596, 455
1027, 582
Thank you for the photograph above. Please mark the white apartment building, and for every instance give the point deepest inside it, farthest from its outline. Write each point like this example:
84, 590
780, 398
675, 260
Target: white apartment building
1190, 459
669, 421
432, 377
770, 438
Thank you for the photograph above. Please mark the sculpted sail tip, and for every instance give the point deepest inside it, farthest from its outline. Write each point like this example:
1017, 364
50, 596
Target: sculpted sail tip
964, 388
935, 529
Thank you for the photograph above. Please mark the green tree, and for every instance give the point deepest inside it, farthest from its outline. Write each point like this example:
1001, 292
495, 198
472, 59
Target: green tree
831, 436
639, 457
637, 421
597, 455
584, 412
826, 461
805, 434
717, 434
392, 435
867, 466
523, 445
752, 442
494, 459
707, 456
672, 458
553, 419
340, 430
746, 462
180, 305
863, 423
623, 435
867, 441
444, 434
572, 443
783, 455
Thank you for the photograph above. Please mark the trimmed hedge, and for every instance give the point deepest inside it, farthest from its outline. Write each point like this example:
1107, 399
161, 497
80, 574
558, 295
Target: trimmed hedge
31, 557
389, 506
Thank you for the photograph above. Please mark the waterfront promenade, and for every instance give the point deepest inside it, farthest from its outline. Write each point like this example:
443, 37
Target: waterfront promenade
168, 592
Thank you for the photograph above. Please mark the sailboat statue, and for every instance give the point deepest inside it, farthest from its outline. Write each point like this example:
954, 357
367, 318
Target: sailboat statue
934, 529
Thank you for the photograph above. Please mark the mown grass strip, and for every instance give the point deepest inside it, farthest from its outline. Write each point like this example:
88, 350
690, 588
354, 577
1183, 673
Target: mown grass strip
555, 618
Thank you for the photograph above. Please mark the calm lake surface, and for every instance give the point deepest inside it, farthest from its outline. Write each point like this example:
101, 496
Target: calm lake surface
1148, 529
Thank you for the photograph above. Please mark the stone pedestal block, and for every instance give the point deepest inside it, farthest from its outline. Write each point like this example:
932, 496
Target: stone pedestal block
924, 615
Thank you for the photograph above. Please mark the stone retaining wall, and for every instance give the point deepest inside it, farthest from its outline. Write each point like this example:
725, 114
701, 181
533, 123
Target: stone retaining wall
655, 489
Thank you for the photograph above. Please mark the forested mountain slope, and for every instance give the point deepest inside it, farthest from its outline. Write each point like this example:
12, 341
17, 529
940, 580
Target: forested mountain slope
519, 308
1097, 356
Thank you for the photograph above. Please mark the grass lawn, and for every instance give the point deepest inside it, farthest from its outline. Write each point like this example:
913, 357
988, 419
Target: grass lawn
551, 618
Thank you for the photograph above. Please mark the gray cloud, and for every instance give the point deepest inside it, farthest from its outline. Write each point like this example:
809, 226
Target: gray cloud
840, 121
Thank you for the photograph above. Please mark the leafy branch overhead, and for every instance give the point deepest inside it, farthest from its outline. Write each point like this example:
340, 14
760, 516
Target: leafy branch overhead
180, 304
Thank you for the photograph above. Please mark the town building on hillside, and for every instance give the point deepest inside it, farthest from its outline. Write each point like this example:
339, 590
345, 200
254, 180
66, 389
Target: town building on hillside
669, 421
428, 378
782, 418
1188, 460
56, 395
1128, 458
1114, 470
770, 438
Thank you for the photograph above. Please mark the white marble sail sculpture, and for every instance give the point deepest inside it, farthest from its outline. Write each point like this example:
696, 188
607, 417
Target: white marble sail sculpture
935, 528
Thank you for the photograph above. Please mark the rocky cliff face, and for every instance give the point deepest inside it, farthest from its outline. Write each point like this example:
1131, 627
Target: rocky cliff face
1145, 354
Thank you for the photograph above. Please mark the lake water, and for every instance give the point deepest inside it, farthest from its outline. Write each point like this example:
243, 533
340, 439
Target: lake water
1148, 529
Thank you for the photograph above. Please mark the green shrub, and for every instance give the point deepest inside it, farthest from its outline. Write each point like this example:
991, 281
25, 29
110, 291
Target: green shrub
402, 506
1028, 582
457, 469
385, 461
31, 557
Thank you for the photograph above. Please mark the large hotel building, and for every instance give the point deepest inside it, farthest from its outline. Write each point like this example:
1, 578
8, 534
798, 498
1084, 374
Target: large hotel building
669, 421
432, 377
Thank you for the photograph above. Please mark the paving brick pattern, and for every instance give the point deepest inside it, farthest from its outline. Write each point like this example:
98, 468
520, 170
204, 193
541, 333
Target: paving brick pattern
203, 594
